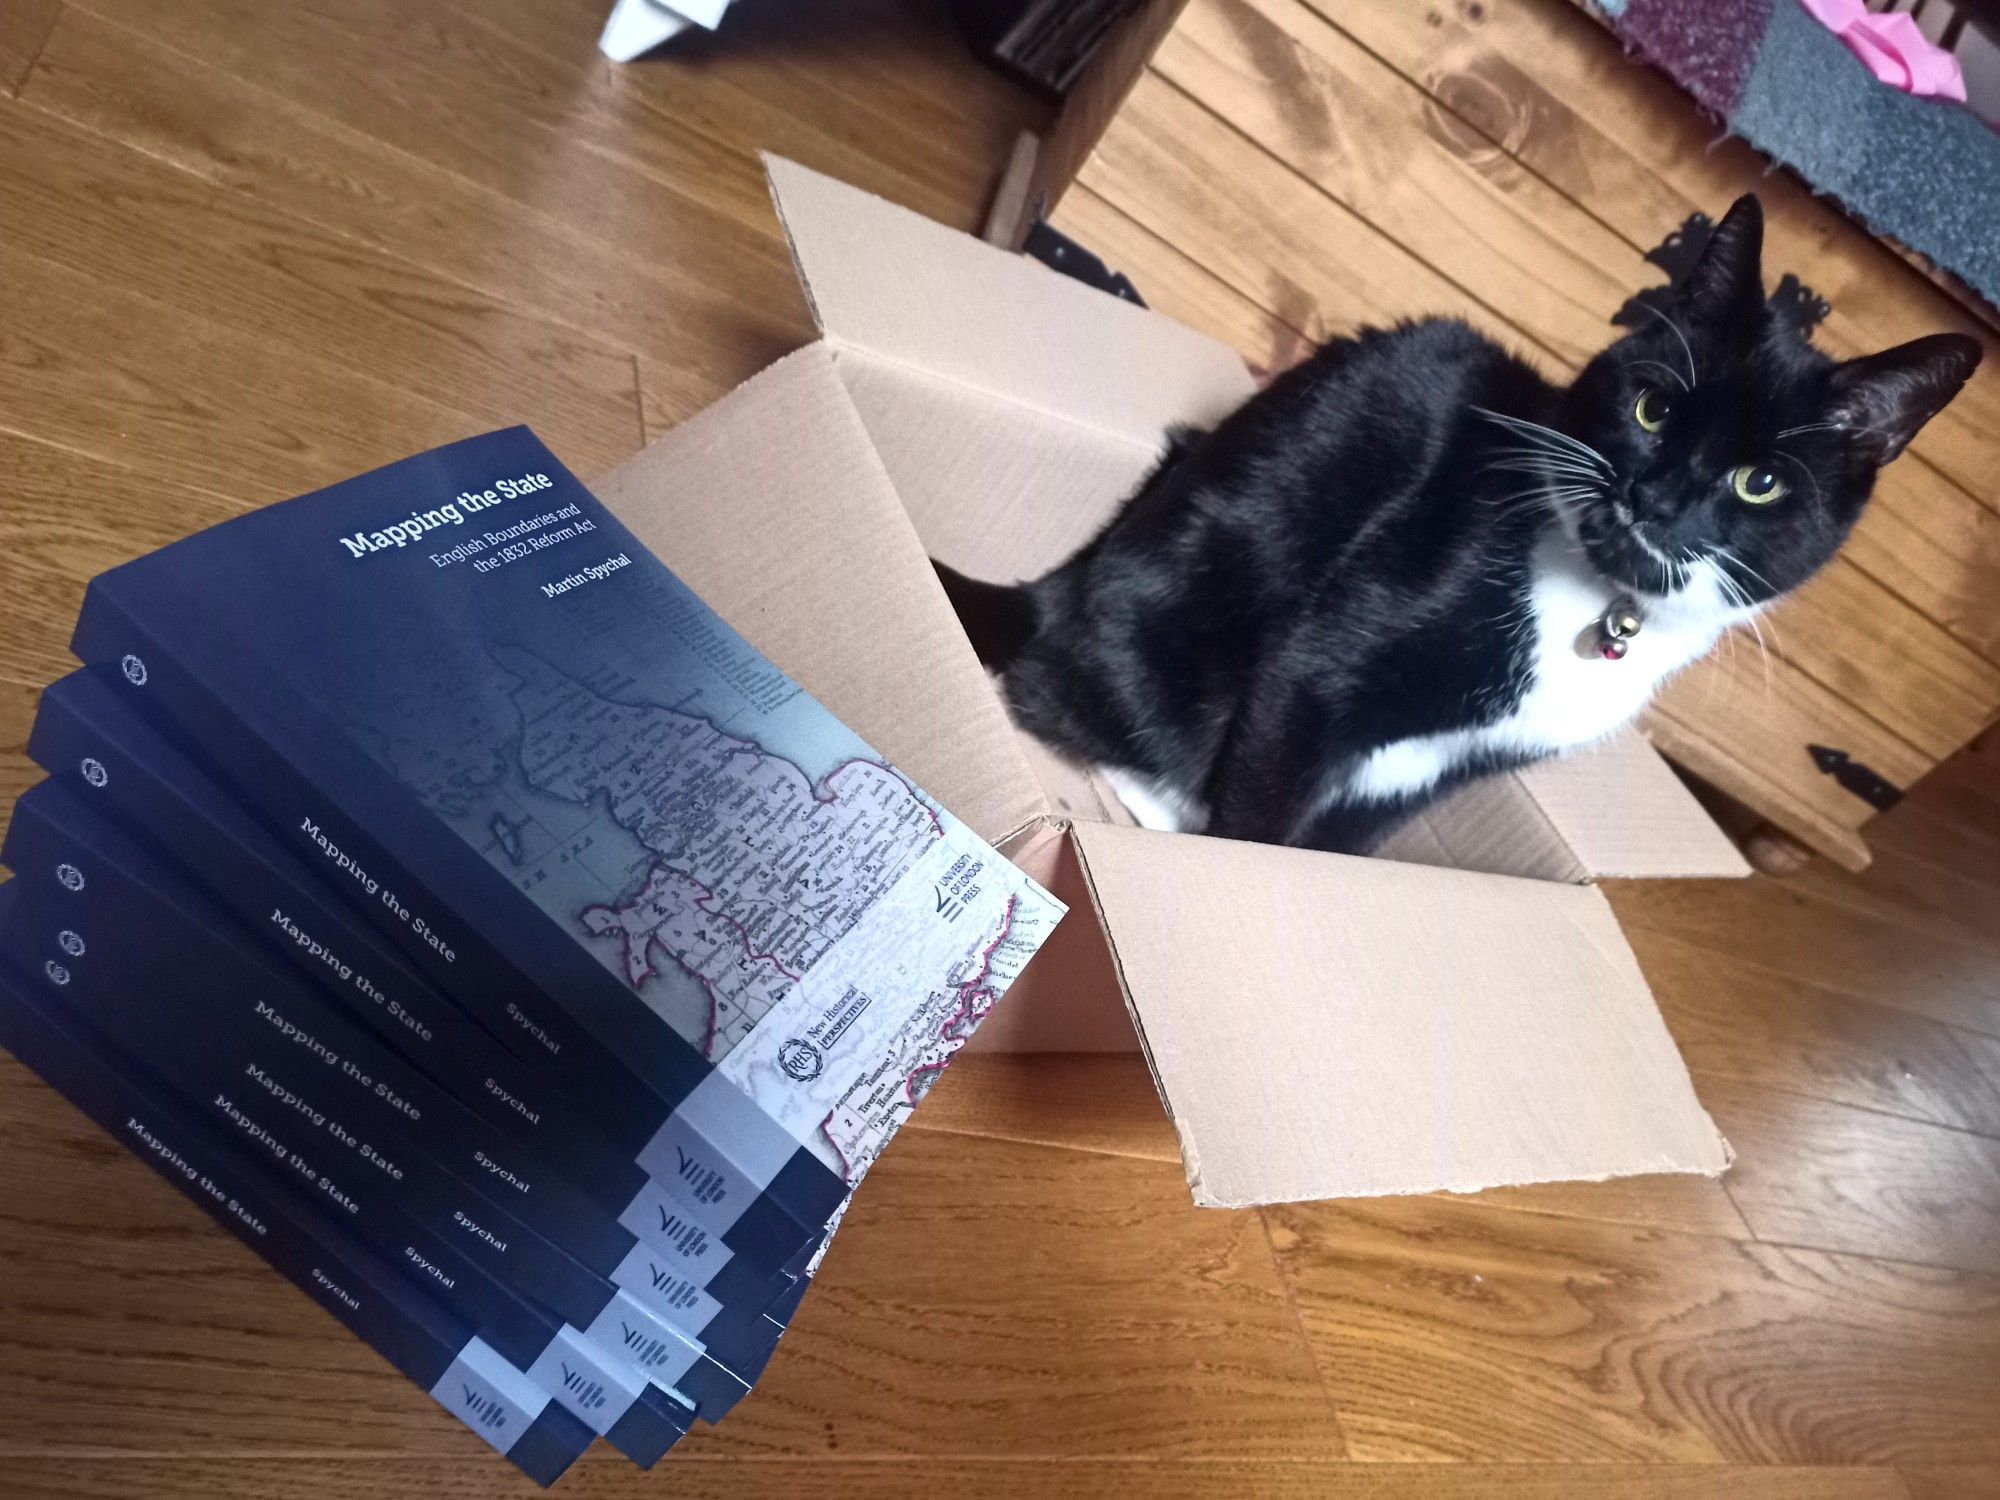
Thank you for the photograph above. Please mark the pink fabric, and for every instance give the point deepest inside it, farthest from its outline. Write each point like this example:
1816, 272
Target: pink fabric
1891, 48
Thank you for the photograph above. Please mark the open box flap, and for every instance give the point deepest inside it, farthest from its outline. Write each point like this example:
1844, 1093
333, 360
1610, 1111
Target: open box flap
773, 507
1614, 810
882, 278
1329, 1027
1625, 814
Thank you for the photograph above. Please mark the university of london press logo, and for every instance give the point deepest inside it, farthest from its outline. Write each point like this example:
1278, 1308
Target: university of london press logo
93, 771
56, 972
70, 943
70, 876
134, 670
801, 1060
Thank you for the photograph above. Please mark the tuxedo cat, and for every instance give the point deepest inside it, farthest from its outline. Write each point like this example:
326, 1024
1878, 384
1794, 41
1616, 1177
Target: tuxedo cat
1411, 560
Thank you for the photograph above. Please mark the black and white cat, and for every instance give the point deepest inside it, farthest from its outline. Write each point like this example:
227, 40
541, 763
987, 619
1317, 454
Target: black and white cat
1411, 560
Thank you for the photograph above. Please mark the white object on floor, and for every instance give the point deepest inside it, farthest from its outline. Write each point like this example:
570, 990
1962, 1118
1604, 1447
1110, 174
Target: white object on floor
638, 26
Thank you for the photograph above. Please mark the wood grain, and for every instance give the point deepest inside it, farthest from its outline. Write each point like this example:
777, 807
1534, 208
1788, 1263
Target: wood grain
838, 1478
132, 89
24, 26
1775, 1031
120, 218
1179, 286
1450, 1332
1833, 1177
1558, 91
249, 250
1774, 925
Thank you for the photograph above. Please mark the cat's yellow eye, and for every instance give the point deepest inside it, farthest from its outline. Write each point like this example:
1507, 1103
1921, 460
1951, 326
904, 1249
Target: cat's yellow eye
1653, 409
1757, 485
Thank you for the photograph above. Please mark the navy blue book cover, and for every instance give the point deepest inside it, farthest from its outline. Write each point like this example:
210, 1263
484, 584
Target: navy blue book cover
295, 1139
506, 1406
177, 991
107, 754
573, 794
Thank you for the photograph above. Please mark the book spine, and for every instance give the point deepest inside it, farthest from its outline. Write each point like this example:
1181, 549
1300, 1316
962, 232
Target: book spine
98, 749
685, 1122
499, 1402
242, 1031
371, 1181
80, 740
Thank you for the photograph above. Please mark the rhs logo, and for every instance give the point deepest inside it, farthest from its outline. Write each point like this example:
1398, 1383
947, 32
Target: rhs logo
801, 1059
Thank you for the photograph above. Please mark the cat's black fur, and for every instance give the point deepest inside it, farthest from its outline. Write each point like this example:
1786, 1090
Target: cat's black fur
1341, 563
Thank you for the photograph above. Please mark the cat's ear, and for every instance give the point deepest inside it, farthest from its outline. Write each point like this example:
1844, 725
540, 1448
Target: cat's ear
1728, 281
1885, 398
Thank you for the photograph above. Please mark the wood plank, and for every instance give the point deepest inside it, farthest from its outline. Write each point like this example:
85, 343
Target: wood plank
1831, 1177
1773, 925
193, 402
469, 102
709, 336
1920, 896
1747, 725
1449, 1332
882, 94
1100, 91
601, 1474
24, 26
971, 1279
1965, 1482
1175, 168
1862, 643
1623, 141
138, 224
1918, 835
1358, 131
1178, 286
1736, 1021
1932, 544
69, 517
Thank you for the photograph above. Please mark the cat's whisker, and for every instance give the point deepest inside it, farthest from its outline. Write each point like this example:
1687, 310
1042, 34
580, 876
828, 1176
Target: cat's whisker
1665, 369
1675, 329
1811, 478
1536, 431
1732, 587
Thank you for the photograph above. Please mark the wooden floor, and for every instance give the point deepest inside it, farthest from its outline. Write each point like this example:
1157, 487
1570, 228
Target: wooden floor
248, 247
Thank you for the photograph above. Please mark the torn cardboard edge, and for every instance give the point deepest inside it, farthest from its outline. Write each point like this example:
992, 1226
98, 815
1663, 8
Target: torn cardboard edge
1318, 1026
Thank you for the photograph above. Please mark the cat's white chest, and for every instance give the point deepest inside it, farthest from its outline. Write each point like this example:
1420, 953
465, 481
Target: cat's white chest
1573, 696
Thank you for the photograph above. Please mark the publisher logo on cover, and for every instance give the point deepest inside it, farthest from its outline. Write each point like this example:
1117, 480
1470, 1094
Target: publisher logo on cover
70, 876
801, 1059
93, 771
134, 670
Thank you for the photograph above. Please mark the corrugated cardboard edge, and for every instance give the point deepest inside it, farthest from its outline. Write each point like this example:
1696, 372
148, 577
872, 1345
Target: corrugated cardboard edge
1663, 1128
1123, 371
1657, 830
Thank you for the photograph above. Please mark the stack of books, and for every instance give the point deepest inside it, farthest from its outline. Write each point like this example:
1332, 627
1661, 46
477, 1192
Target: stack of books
446, 900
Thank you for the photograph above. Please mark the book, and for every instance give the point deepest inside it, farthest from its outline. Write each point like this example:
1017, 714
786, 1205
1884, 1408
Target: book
585, 807
499, 1402
104, 752
245, 1040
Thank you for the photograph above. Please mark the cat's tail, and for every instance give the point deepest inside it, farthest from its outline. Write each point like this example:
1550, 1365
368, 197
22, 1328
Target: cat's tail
998, 617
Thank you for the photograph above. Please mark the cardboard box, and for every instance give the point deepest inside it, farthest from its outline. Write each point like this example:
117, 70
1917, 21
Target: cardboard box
1460, 1012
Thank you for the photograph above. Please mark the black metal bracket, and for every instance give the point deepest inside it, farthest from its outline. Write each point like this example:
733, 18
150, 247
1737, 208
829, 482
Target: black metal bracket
1059, 252
1870, 786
